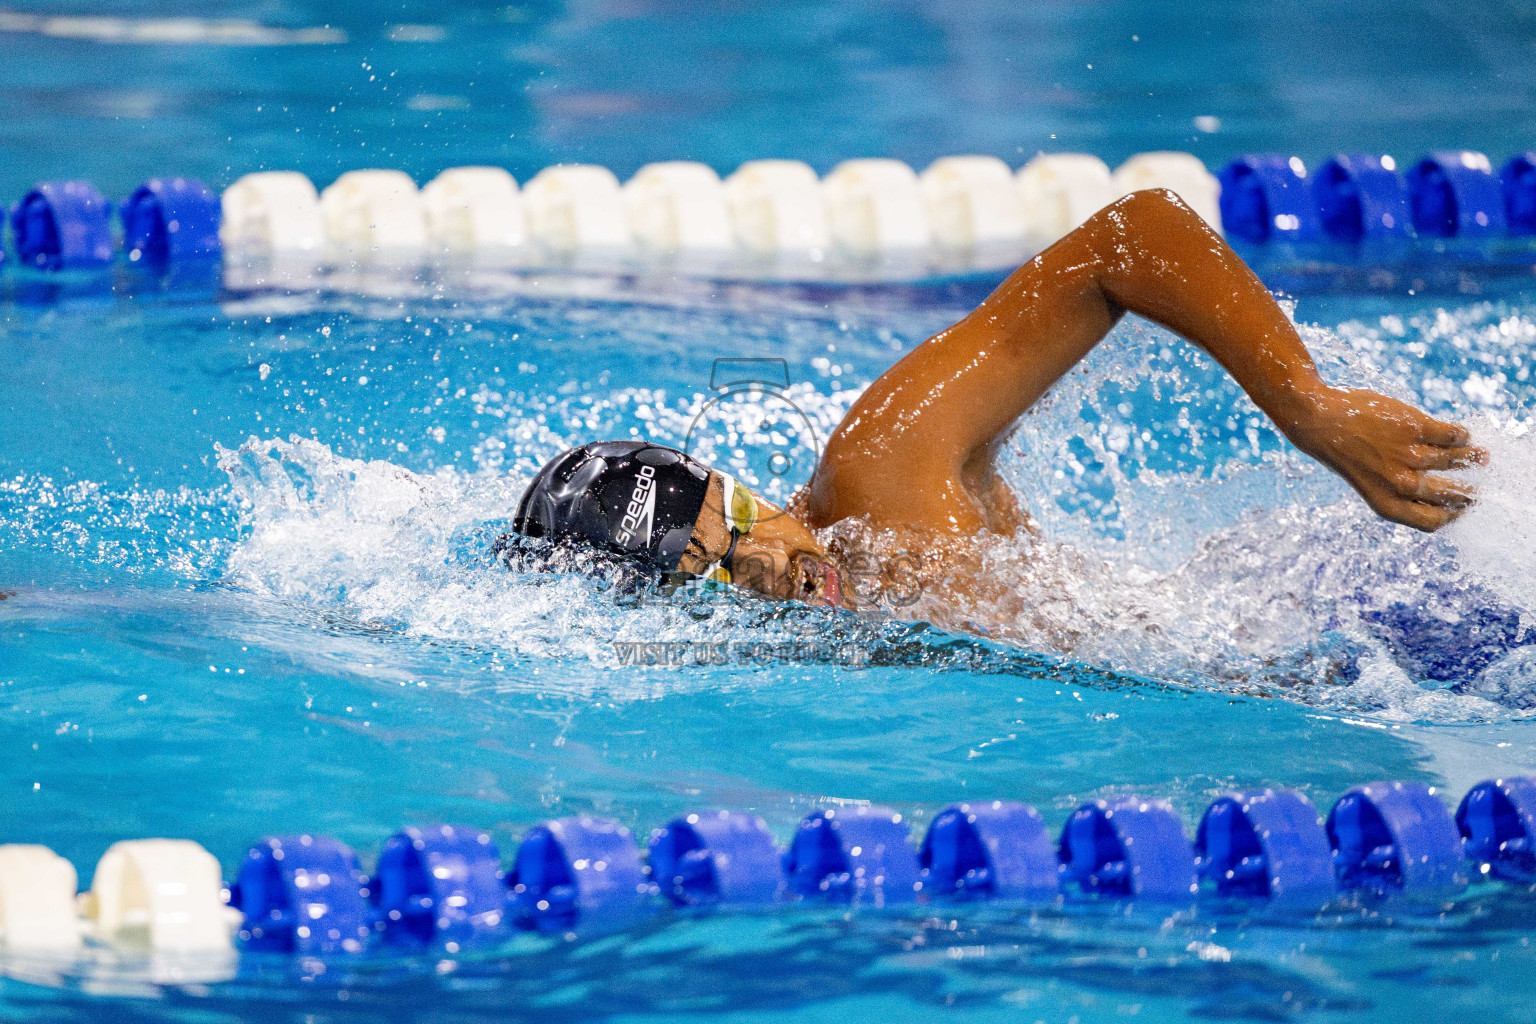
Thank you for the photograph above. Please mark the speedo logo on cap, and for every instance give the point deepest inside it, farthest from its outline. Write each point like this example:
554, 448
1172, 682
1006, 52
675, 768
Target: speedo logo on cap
640, 513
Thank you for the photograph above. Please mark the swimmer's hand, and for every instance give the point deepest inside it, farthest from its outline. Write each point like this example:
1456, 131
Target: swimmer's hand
1390, 452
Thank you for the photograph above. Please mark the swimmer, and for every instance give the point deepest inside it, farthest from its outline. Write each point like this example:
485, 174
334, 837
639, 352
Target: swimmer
916, 455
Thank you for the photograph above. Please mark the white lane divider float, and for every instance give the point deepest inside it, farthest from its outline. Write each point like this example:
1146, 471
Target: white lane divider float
776, 206
1181, 173
971, 201
272, 211
469, 208
576, 206
165, 895
1058, 191
37, 900
864, 208
678, 205
373, 212
875, 206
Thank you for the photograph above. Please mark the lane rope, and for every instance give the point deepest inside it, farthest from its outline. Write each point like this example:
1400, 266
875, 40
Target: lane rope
961, 212
444, 888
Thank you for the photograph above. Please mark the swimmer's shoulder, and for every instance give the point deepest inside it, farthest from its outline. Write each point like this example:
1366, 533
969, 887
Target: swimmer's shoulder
894, 494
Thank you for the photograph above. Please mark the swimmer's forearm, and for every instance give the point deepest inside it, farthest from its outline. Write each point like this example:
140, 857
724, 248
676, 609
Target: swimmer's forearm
1163, 262
1151, 254
1147, 253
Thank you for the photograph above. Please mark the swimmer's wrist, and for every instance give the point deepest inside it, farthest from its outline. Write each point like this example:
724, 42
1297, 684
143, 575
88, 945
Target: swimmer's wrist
1295, 407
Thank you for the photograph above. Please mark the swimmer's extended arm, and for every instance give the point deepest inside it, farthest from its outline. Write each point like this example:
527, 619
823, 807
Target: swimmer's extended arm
918, 447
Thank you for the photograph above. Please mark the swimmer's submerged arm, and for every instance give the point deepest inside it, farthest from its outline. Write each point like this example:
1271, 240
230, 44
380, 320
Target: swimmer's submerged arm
932, 425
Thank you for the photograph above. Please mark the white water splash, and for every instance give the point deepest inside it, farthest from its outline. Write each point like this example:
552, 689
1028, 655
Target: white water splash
376, 541
376, 546
1496, 538
137, 530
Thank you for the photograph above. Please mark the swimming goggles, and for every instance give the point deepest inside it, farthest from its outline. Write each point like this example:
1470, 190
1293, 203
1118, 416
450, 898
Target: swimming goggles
741, 517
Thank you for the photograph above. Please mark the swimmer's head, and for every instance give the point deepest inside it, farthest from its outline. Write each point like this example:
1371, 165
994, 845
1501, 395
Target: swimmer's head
636, 500
660, 511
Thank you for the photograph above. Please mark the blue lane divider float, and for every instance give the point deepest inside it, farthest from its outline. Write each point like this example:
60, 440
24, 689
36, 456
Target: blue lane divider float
302, 894
171, 219
715, 858
580, 874
442, 887
1266, 196
1497, 820
62, 225
1265, 844
1395, 836
1129, 848
854, 855
1455, 195
1361, 195
1519, 178
996, 849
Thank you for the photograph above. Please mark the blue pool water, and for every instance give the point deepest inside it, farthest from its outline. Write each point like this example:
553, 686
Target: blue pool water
243, 537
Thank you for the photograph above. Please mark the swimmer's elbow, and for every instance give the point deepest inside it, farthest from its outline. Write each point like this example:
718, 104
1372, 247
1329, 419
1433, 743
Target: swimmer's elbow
1152, 223
1162, 198
1149, 209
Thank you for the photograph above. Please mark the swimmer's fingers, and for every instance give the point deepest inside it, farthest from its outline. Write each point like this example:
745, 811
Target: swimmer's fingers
1424, 501
1444, 435
1425, 456
1434, 489
1429, 489
1416, 514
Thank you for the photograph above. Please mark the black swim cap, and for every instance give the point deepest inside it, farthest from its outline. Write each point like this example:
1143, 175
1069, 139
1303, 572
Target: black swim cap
635, 499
